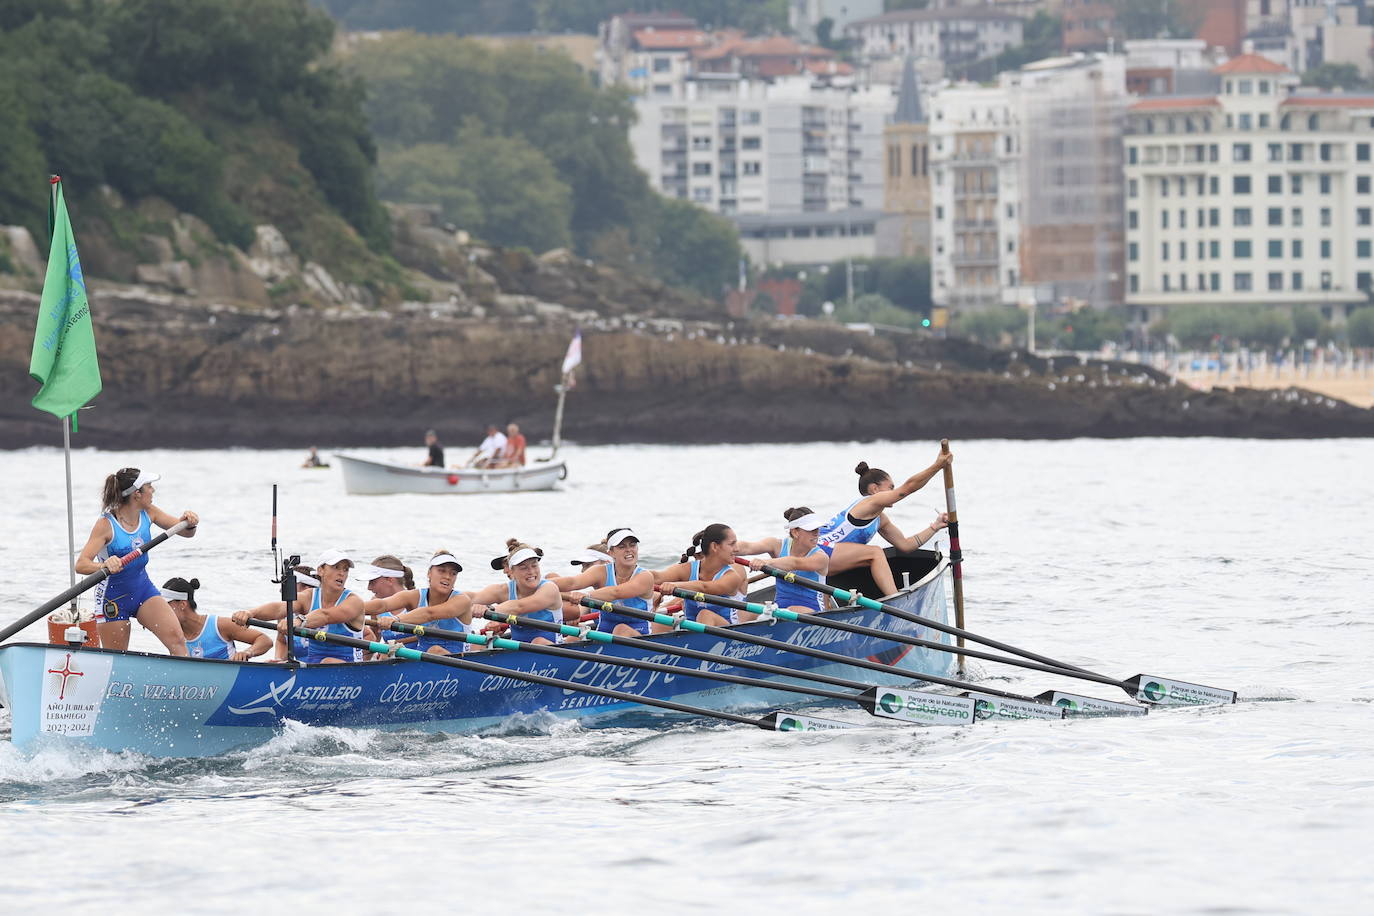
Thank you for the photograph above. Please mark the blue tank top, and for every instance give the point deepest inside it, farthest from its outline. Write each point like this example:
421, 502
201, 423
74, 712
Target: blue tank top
640, 602
123, 542
446, 623
789, 595
317, 651
210, 644
840, 529
692, 608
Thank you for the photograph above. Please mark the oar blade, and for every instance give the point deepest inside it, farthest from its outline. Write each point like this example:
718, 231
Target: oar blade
1163, 691
792, 722
987, 706
918, 707
1077, 705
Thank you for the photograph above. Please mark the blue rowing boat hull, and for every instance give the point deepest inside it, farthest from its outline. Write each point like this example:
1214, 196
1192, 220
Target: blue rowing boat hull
182, 707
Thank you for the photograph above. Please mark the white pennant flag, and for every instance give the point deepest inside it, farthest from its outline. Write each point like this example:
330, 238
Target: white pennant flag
573, 357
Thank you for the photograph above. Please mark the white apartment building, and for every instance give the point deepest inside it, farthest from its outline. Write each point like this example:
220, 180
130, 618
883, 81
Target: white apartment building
1259, 195
804, 16
738, 146
955, 36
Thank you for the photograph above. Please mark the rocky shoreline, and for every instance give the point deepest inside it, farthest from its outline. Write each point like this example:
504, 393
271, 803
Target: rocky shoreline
184, 374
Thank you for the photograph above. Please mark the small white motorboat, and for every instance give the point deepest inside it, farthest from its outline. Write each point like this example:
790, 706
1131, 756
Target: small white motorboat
366, 476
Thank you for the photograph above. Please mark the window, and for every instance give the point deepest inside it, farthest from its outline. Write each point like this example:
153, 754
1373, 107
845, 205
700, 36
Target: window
1214, 249
1295, 152
1324, 183
1264, 119
1297, 280
1134, 282
1214, 151
1132, 219
1263, 87
1163, 187
1213, 185
1214, 216
1132, 155
750, 142
1240, 184
750, 168
1326, 216
1276, 216
1240, 248
750, 116
701, 143
939, 213
1364, 280
1276, 152
1132, 188
1241, 282
1245, 87
1363, 216
1275, 281
1361, 152
1313, 122
1326, 248
1201, 250
1183, 282
1245, 121
1164, 282
1275, 184
1362, 248
1201, 217
1275, 249
701, 168
1297, 248
701, 195
1182, 186
1182, 218
1164, 251
1164, 219
662, 64
1183, 251
1240, 216
1295, 184
1295, 217
1240, 152
1361, 184
1133, 251
1216, 281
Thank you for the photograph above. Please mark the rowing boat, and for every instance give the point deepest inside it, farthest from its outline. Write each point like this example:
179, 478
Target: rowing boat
186, 707
367, 476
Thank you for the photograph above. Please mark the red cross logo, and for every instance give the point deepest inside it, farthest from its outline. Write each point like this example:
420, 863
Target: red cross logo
66, 672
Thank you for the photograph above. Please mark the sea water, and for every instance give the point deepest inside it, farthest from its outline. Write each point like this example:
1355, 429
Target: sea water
1237, 564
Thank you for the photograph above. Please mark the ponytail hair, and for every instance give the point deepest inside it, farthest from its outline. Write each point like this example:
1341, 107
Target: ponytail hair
112, 493
387, 561
178, 584
869, 476
703, 540
514, 544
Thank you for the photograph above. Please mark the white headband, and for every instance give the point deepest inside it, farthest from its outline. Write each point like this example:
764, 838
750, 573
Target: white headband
308, 580
175, 596
521, 555
144, 478
443, 558
809, 522
617, 537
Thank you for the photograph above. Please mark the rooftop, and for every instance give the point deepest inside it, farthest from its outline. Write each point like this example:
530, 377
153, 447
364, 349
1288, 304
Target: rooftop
1251, 63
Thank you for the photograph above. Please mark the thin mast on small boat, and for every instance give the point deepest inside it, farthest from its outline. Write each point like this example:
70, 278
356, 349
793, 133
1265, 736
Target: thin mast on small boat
571, 360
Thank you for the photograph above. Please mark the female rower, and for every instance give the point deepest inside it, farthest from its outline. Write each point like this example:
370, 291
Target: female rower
211, 636
709, 567
797, 553
846, 536
386, 576
438, 604
594, 555
523, 594
125, 525
622, 580
331, 607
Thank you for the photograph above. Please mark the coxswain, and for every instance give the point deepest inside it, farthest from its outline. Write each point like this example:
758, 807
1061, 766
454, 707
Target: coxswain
126, 525
524, 594
708, 566
437, 604
797, 553
846, 536
622, 580
211, 636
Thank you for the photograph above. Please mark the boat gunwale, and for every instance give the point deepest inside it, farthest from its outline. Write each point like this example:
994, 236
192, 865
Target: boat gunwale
405, 470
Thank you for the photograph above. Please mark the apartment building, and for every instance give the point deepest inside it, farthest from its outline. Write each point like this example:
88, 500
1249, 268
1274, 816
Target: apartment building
955, 36
1259, 195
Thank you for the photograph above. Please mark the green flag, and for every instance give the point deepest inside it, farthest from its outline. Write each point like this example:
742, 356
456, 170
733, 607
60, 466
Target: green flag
64, 358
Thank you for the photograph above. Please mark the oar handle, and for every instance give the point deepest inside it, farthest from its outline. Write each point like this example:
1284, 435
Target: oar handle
91, 581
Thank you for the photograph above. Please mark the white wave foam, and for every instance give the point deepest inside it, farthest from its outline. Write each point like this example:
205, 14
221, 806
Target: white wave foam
55, 759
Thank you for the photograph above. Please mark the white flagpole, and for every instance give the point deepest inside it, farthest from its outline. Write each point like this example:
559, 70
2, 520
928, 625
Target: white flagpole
71, 533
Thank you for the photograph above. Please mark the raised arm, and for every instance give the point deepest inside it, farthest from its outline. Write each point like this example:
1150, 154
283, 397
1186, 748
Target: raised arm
272, 610
591, 577
770, 546
401, 601
873, 506
165, 520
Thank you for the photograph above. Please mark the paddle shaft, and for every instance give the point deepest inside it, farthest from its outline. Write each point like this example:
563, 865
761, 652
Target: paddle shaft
528, 676
91, 581
564, 652
844, 595
728, 633
861, 630
956, 556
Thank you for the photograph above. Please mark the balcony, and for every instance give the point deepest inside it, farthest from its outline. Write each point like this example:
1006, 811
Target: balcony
975, 224
987, 190
976, 259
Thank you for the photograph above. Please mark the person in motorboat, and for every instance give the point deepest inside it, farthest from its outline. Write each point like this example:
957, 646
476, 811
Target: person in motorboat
708, 566
126, 524
797, 553
524, 593
439, 604
622, 580
490, 450
435, 458
211, 636
846, 536
331, 606
313, 460
513, 452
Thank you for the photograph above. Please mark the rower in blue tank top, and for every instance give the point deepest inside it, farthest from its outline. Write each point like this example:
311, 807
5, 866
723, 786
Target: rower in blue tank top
211, 636
386, 576
621, 580
125, 525
798, 555
438, 605
331, 607
846, 537
708, 567
526, 594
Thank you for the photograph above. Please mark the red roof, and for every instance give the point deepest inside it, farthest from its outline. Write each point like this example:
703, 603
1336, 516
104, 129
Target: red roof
829, 67
1330, 101
1250, 63
1167, 103
669, 39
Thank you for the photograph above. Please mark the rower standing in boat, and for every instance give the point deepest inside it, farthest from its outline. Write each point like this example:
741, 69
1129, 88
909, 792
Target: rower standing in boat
523, 594
708, 566
846, 536
331, 607
796, 553
622, 580
209, 636
438, 604
127, 524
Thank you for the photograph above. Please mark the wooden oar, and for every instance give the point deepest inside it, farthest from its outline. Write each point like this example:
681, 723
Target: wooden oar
1150, 688
769, 610
91, 581
900, 704
956, 556
994, 702
774, 721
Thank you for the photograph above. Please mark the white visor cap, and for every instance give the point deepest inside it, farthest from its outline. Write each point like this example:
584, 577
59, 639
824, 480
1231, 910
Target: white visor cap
620, 536
444, 558
593, 556
809, 522
143, 478
333, 557
520, 556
